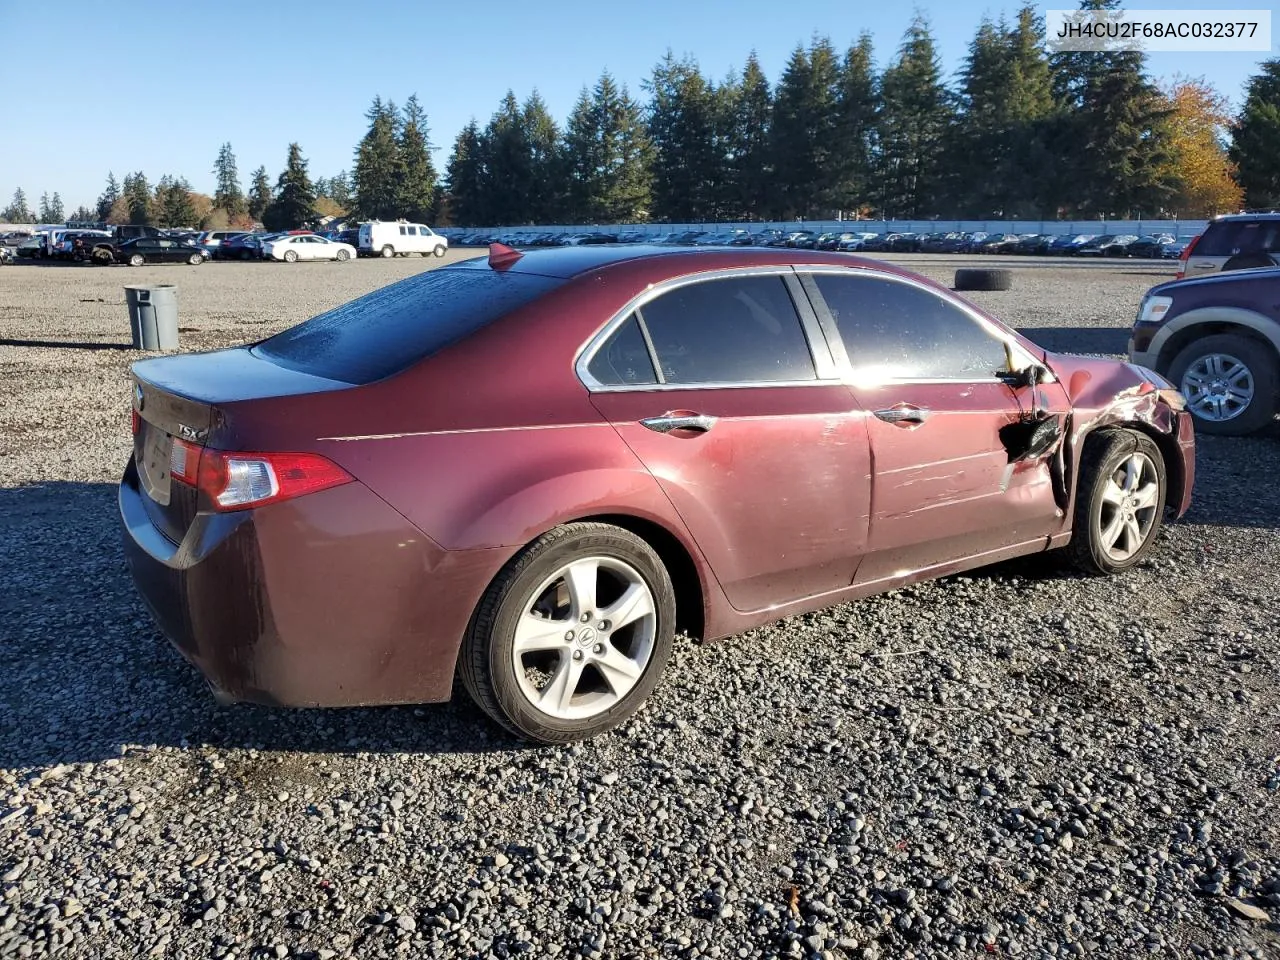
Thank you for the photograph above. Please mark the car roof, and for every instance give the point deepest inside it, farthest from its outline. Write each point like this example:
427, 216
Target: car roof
568, 262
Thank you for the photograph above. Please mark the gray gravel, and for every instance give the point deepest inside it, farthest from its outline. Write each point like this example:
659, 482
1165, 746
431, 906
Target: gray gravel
1017, 762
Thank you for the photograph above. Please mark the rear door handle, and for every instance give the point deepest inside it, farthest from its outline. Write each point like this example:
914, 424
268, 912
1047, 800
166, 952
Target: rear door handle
903, 415
697, 422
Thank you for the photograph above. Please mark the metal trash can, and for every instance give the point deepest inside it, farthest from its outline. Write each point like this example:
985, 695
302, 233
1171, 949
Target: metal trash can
153, 316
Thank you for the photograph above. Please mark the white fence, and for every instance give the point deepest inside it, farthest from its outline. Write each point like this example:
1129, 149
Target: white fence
1139, 227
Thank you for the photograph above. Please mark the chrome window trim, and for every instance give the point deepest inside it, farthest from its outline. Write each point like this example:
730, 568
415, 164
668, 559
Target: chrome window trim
588, 350
983, 323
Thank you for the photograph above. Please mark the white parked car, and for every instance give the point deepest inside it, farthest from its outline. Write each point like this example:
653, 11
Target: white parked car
386, 239
307, 246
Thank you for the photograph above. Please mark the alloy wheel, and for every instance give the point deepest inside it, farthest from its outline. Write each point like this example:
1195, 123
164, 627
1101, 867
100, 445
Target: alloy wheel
1129, 500
1218, 387
585, 638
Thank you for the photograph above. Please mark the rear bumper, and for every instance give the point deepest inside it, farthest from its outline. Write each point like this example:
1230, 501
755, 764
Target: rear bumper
333, 599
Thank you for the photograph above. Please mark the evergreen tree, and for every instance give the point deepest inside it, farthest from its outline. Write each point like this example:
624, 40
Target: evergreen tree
227, 194
378, 167
853, 158
83, 214
609, 156
807, 164
547, 190
752, 153
56, 212
915, 122
174, 205
339, 190
108, 198
1114, 133
18, 211
259, 194
682, 125
46, 213
295, 197
509, 166
415, 196
466, 177
1255, 140
136, 198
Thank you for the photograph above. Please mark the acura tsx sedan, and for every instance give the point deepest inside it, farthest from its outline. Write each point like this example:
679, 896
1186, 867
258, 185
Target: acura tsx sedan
530, 470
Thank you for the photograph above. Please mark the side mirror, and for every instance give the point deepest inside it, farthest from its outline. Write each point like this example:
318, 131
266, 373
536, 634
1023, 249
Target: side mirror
1029, 376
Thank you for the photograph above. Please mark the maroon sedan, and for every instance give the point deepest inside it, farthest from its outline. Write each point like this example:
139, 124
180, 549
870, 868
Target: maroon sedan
530, 470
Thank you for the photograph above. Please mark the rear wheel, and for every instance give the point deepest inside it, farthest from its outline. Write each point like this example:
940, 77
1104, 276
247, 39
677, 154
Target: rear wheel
343, 255
572, 635
101, 257
1230, 383
291, 256
1119, 503
388, 251
137, 260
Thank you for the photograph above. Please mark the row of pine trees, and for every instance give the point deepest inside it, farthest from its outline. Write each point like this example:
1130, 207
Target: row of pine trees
1022, 135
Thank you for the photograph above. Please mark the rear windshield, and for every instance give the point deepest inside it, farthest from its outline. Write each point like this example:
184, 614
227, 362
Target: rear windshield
1227, 238
386, 331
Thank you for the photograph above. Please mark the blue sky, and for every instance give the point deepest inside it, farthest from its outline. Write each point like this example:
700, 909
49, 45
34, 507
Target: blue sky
158, 86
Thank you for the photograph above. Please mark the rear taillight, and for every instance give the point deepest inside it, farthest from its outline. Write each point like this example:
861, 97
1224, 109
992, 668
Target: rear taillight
237, 481
135, 422
1186, 255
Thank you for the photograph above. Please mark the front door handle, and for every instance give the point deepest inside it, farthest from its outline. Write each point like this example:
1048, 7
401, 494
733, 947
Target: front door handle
696, 422
903, 414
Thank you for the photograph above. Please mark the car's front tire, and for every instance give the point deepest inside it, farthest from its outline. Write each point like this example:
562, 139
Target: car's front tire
572, 635
195, 260
137, 260
1230, 382
1120, 501
440, 250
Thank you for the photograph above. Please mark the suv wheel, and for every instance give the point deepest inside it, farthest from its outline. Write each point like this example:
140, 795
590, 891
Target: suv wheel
388, 251
572, 635
1230, 382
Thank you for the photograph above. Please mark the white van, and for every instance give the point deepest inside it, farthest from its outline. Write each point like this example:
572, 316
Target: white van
384, 239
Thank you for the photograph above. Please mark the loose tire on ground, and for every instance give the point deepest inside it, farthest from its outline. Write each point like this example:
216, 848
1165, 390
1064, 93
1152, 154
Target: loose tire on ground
1262, 366
977, 278
1105, 490
486, 662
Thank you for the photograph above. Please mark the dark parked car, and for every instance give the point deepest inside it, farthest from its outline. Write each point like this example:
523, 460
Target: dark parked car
31, 249
1106, 246
1217, 338
1034, 244
999, 243
159, 250
1068, 244
1150, 248
315, 518
247, 246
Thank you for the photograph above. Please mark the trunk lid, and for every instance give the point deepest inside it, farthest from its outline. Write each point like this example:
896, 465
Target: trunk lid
184, 398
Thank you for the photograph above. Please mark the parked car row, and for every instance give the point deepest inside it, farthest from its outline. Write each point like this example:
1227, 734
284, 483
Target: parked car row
1156, 246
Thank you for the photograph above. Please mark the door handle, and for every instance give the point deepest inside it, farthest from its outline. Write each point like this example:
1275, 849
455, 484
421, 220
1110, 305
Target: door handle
666, 423
903, 415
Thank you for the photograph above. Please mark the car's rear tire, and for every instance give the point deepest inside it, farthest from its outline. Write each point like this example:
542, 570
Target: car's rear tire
1230, 382
343, 256
291, 256
981, 278
101, 258
572, 635
1120, 500
388, 251
137, 260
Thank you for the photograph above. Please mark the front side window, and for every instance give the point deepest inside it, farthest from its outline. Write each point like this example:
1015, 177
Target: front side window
729, 330
898, 331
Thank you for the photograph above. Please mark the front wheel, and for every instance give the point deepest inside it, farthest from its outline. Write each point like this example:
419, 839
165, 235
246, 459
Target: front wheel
1119, 503
440, 251
137, 260
291, 256
572, 635
195, 259
1230, 383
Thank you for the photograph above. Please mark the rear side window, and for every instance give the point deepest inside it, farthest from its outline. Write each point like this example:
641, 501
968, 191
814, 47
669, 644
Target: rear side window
898, 331
624, 358
386, 331
731, 330
1227, 238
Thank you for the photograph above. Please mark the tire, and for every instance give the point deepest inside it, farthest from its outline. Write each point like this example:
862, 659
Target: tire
980, 278
137, 260
246, 255
1231, 415
343, 256
101, 258
388, 251
195, 260
291, 256
1248, 261
1113, 506
440, 251
533, 580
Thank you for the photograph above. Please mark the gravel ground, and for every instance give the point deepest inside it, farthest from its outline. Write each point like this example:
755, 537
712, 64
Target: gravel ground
1016, 762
